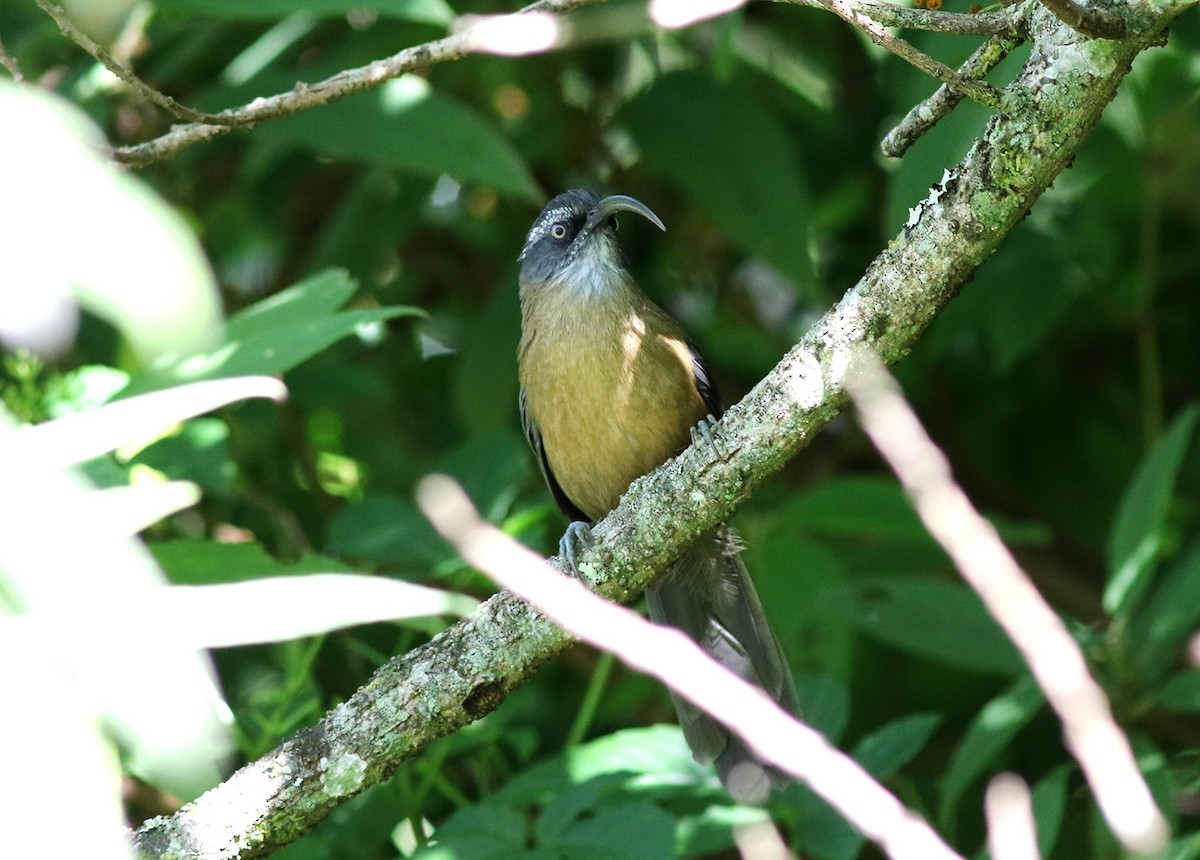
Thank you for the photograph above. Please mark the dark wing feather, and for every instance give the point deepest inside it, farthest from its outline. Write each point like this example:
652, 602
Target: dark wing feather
704, 382
534, 436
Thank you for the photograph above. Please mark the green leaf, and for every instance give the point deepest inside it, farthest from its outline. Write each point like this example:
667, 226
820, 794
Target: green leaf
822, 830
724, 149
481, 832
825, 704
194, 561
638, 831
1137, 535
406, 125
1171, 613
859, 506
387, 529
274, 335
1181, 693
990, 732
886, 750
196, 452
1049, 801
942, 621
420, 11
314, 297
1153, 763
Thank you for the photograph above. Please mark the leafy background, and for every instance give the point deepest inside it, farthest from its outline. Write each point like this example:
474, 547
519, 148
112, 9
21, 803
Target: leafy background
366, 251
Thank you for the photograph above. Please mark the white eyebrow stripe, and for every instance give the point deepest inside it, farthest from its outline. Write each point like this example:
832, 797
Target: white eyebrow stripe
543, 224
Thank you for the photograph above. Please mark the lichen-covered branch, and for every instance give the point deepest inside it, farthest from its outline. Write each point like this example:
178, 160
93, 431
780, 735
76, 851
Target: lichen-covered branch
1088, 20
925, 115
894, 15
850, 11
468, 669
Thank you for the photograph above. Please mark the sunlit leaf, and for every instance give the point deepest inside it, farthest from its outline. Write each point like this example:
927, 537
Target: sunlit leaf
407, 125
1138, 532
274, 335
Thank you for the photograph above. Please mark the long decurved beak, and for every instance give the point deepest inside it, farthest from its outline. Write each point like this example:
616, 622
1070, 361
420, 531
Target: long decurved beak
620, 203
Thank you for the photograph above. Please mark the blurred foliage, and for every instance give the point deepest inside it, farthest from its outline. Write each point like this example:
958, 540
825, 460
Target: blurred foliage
1061, 384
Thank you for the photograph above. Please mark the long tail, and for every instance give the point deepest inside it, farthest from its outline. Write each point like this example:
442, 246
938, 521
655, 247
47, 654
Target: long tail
709, 596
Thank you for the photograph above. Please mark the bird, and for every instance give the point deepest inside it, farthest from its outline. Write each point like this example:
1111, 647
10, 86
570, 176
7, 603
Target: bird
610, 389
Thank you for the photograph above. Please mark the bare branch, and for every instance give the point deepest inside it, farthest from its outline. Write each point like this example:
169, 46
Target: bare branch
670, 656
348, 82
854, 12
10, 62
956, 23
1095, 23
122, 71
929, 112
1054, 658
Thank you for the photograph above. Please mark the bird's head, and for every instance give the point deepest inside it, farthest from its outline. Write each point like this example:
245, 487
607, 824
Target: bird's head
573, 242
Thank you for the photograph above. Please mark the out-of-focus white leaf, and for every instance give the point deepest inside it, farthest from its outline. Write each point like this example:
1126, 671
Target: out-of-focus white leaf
79, 437
73, 225
128, 510
45, 713
159, 697
257, 610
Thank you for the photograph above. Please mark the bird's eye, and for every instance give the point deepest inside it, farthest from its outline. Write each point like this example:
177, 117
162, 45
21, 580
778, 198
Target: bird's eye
559, 231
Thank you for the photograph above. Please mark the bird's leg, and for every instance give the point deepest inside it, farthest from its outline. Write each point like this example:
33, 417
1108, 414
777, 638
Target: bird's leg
703, 430
574, 540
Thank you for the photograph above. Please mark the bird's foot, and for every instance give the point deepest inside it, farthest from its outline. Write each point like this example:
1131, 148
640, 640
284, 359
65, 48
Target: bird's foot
703, 430
573, 542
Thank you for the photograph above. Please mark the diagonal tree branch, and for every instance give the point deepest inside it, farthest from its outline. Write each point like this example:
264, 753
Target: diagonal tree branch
304, 96
469, 669
122, 71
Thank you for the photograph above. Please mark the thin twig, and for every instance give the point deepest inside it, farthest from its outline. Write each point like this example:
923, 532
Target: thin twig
122, 71
1053, 657
304, 96
956, 23
1092, 22
669, 655
850, 11
10, 62
929, 112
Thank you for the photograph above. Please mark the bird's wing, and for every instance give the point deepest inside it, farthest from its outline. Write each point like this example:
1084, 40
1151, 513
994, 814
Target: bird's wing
704, 382
534, 436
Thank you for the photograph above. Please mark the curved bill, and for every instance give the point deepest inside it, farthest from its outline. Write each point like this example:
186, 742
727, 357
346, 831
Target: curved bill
621, 203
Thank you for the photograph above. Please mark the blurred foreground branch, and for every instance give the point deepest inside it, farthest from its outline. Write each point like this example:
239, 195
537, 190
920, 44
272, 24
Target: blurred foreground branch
673, 658
1054, 658
467, 670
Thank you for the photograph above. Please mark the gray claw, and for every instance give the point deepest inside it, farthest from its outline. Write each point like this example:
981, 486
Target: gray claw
574, 540
703, 430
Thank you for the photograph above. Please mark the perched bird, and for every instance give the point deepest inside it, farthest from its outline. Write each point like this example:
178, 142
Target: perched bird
611, 388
